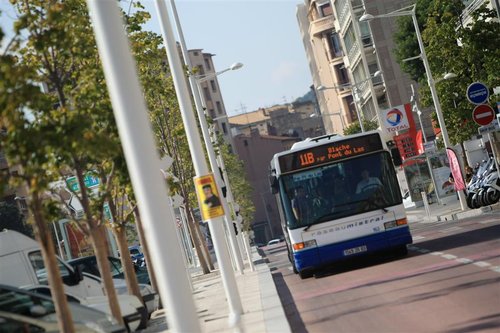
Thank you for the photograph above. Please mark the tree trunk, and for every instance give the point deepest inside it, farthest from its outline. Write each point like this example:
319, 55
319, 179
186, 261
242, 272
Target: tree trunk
128, 266
44, 238
145, 249
99, 243
200, 244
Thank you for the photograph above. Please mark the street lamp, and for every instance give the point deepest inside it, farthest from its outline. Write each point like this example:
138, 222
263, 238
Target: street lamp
354, 87
199, 162
205, 77
411, 10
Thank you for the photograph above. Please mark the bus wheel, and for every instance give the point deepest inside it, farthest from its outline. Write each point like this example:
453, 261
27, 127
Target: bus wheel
305, 274
402, 251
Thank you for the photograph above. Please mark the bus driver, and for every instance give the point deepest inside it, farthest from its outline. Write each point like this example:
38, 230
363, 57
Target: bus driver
367, 182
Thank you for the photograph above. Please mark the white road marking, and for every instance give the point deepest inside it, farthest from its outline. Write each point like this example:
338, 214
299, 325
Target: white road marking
465, 260
437, 253
449, 256
415, 238
496, 269
482, 264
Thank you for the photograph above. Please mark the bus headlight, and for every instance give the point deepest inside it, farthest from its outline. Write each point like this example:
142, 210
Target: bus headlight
397, 223
304, 245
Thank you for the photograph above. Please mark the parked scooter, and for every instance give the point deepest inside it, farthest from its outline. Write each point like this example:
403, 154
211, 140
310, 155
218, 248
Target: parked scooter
484, 187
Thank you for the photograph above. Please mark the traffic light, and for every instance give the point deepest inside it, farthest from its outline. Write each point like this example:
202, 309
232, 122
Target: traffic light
235, 228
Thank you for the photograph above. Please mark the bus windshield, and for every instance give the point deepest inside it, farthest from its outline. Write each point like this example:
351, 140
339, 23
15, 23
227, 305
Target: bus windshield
337, 190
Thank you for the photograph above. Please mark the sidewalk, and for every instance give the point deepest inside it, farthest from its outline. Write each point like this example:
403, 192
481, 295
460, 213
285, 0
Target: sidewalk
262, 309
450, 210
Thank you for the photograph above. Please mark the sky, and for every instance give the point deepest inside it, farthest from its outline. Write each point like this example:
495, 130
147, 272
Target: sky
261, 34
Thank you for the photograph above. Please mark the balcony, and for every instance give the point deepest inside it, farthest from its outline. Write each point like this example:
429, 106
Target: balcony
320, 25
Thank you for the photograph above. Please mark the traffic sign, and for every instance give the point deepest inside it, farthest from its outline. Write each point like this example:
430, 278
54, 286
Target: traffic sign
493, 127
483, 114
477, 93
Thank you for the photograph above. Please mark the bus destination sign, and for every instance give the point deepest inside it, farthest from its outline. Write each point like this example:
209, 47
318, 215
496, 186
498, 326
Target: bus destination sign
330, 152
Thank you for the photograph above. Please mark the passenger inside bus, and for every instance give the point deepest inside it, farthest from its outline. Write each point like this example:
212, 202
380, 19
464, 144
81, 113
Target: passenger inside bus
300, 206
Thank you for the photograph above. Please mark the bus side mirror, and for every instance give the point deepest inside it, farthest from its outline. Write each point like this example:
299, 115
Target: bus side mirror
273, 182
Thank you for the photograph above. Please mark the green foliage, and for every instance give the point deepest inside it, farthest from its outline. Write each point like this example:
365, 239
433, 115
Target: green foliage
470, 52
354, 127
240, 187
475, 58
12, 219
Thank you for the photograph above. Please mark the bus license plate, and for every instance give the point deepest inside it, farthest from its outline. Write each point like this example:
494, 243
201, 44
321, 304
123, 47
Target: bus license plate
355, 250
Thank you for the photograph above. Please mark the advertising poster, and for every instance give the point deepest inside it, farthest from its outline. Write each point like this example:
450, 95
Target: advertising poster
79, 246
208, 197
441, 173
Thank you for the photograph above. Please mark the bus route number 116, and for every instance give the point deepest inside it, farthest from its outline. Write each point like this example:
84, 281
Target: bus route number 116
306, 159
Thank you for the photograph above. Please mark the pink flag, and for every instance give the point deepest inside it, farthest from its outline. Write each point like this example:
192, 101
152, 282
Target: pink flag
456, 171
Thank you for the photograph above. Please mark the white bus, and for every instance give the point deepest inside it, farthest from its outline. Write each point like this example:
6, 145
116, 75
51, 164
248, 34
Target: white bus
338, 198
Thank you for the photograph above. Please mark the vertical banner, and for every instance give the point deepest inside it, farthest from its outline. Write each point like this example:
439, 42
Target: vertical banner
208, 197
456, 171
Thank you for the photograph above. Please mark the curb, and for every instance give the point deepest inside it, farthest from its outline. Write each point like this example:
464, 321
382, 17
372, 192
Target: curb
274, 315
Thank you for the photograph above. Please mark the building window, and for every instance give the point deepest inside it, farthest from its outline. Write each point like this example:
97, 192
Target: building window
208, 97
213, 85
372, 68
342, 75
201, 71
325, 9
212, 113
207, 64
334, 44
219, 107
224, 128
195, 53
349, 39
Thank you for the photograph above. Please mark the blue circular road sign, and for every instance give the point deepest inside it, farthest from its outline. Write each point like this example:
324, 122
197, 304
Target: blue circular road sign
477, 93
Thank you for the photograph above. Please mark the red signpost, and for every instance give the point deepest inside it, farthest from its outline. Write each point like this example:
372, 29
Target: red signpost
483, 114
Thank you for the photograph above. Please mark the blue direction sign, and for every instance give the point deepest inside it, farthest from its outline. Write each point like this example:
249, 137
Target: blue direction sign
477, 93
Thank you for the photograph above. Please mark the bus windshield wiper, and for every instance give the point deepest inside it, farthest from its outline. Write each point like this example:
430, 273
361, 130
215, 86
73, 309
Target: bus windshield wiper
307, 227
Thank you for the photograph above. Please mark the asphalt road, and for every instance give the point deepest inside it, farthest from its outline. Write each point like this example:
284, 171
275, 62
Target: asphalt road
449, 282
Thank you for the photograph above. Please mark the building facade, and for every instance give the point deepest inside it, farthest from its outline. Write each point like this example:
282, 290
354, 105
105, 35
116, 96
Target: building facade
256, 151
354, 60
203, 66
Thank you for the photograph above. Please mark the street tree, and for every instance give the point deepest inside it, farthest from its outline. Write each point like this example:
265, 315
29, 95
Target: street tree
354, 127
80, 133
24, 141
167, 124
452, 46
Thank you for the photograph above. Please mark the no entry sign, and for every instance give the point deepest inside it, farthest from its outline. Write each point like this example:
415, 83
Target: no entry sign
483, 114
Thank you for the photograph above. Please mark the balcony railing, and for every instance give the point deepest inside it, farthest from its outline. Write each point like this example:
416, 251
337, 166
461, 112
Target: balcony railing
323, 24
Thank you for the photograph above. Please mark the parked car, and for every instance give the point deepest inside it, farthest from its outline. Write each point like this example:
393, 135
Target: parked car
137, 255
25, 311
27, 270
89, 265
273, 242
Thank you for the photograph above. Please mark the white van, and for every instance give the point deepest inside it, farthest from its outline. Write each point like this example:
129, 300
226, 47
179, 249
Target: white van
21, 265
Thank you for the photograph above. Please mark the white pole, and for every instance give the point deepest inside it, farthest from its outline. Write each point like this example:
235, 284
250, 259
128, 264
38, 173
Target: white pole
200, 165
230, 200
143, 164
208, 143
435, 97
